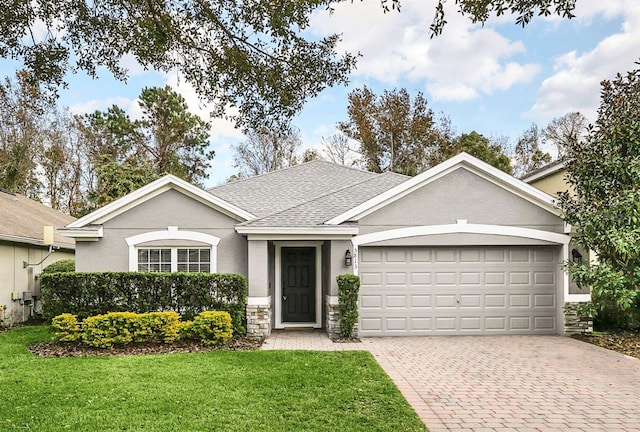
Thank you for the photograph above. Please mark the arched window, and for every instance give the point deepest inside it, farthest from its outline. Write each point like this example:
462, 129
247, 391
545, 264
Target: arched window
173, 250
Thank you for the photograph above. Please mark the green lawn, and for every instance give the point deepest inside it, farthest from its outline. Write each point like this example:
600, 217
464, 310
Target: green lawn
222, 390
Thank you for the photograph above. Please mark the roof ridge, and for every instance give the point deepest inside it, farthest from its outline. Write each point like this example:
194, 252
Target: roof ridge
290, 167
313, 199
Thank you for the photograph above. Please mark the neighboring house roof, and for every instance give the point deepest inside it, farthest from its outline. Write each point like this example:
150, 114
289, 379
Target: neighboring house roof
461, 161
317, 211
544, 171
22, 221
276, 191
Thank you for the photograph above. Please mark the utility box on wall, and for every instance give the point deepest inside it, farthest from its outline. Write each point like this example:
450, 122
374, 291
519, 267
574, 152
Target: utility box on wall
27, 298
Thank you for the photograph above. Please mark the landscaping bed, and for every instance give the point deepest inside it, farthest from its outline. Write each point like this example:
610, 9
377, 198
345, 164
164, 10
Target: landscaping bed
51, 348
623, 342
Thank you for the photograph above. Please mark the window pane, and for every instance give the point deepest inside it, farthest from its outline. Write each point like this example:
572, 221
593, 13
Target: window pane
205, 255
194, 255
182, 255
194, 267
154, 267
206, 268
165, 267
154, 255
142, 267
143, 255
183, 267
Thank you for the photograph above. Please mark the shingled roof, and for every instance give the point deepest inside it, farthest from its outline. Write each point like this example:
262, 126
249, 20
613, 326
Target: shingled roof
317, 211
22, 220
277, 191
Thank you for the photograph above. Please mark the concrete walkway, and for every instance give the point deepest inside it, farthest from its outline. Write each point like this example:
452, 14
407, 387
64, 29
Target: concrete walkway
502, 383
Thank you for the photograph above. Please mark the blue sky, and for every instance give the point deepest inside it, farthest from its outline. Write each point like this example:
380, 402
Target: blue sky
495, 79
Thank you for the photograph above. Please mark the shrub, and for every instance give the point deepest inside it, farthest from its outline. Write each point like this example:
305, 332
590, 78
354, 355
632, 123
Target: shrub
209, 328
90, 294
66, 328
62, 266
348, 288
122, 328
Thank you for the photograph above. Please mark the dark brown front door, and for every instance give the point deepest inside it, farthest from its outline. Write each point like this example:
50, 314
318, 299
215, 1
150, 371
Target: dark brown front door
298, 284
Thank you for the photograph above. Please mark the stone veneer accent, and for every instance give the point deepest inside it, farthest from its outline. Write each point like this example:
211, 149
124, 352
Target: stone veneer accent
332, 319
258, 321
332, 315
573, 323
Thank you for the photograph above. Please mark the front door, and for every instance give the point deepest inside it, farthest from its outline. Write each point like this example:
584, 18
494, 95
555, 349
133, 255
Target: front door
299, 284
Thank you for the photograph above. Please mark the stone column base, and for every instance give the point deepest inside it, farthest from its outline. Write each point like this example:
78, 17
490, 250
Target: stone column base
332, 319
573, 322
258, 317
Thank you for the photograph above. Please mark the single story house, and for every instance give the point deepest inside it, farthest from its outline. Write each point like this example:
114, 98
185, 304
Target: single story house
24, 253
461, 249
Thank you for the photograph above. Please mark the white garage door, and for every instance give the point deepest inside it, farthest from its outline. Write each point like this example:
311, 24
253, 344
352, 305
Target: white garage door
409, 291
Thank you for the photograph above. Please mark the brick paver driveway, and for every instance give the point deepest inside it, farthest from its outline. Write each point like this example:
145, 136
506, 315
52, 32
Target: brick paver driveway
513, 383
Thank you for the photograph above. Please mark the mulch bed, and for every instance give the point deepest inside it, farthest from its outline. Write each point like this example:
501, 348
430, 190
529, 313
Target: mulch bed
624, 342
66, 349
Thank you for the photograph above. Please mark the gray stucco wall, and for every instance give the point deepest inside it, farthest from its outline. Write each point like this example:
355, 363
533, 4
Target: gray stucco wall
170, 208
460, 195
336, 263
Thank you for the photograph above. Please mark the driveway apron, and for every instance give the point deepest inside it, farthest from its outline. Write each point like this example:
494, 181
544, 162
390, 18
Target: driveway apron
513, 383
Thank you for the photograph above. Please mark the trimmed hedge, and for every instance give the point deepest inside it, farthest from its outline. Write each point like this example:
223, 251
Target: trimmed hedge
89, 294
62, 266
124, 328
348, 289
208, 328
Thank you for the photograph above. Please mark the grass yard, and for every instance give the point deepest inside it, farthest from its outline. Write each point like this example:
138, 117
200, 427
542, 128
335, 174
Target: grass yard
213, 391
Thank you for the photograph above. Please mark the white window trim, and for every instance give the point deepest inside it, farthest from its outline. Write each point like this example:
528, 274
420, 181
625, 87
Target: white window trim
278, 288
172, 233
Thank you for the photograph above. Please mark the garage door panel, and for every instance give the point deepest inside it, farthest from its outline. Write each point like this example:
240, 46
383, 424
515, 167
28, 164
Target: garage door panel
445, 255
470, 278
395, 255
371, 302
445, 278
396, 301
520, 323
544, 300
496, 290
519, 301
495, 278
544, 322
420, 278
370, 279
420, 301
519, 278
470, 300
445, 301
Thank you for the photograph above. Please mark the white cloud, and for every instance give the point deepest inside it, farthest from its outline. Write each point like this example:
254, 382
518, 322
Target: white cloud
103, 104
575, 83
465, 61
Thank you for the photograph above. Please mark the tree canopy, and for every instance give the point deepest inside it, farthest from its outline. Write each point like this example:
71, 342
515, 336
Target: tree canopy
604, 172
255, 56
250, 55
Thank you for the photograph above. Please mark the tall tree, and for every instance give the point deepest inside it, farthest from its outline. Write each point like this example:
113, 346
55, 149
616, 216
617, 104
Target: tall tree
565, 131
528, 154
338, 149
481, 147
264, 151
176, 141
23, 118
395, 133
604, 171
